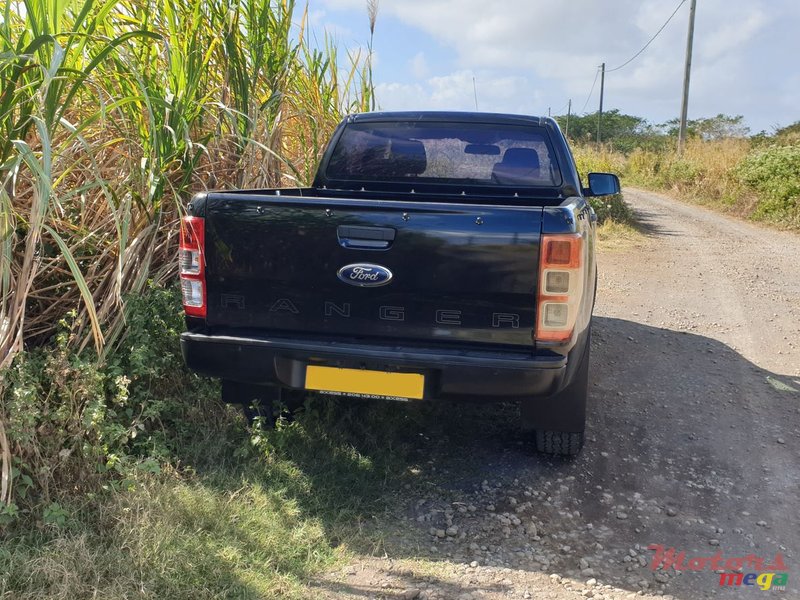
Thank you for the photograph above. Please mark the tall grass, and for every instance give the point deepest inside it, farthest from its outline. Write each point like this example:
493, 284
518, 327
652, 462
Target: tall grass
112, 113
708, 170
752, 178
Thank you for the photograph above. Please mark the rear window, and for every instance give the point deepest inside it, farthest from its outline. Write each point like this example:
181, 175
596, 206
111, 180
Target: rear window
469, 153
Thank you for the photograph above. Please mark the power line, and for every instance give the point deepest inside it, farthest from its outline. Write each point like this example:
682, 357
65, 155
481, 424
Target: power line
561, 110
635, 56
585, 104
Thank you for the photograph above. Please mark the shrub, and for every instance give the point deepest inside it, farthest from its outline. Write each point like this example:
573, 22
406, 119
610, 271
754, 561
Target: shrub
589, 159
77, 421
643, 167
611, 208
774, 173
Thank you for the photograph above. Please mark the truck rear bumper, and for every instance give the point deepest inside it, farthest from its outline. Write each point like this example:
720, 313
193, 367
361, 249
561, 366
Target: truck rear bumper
448, 373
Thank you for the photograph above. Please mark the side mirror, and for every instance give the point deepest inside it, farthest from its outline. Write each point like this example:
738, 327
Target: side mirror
602, 184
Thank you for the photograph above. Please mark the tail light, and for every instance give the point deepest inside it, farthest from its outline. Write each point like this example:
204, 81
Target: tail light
191, 259
560, 286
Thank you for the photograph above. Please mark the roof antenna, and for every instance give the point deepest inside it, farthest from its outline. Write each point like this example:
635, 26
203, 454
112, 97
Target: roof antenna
475, 89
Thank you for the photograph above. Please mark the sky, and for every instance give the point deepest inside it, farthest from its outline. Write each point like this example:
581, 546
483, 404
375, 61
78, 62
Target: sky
531, 56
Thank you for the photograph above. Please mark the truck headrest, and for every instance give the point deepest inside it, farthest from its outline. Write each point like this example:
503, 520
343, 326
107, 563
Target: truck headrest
518, 167
521, 157
407, 157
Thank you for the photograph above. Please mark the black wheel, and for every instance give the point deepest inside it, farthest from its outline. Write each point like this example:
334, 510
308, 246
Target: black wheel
564, 443
560, 420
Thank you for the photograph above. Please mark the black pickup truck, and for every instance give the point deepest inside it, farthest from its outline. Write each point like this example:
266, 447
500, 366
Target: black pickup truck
436, 256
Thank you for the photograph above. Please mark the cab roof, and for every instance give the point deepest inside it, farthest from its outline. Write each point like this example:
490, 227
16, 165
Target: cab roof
449, 116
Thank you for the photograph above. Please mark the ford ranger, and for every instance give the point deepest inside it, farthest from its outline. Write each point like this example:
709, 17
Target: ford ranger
435, 256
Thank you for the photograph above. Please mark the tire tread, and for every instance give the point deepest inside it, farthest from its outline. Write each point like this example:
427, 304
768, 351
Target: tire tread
563, 443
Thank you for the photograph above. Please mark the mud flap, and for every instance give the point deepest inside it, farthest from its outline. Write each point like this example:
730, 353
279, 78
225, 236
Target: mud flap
565, 410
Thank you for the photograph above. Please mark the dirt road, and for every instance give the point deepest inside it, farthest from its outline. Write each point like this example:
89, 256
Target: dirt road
694, 441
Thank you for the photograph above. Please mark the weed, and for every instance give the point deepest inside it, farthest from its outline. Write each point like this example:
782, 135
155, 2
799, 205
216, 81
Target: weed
774, 173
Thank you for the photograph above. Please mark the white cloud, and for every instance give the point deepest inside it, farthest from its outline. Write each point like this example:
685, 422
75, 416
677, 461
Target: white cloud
731, 36
455, 91
742, 49
419, 66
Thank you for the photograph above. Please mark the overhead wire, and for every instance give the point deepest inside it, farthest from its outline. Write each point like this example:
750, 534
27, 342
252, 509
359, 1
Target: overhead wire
650, 41
635, 56
589, 97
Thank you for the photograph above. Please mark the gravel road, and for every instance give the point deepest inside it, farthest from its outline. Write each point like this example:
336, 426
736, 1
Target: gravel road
694, 440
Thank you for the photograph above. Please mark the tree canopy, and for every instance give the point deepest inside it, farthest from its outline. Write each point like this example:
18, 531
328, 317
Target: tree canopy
626, 132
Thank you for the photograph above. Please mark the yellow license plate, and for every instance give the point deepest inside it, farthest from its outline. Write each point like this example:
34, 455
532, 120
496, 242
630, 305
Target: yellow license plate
359, 382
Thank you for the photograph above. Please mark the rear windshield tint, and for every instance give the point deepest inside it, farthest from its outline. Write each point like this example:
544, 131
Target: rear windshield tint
469, 153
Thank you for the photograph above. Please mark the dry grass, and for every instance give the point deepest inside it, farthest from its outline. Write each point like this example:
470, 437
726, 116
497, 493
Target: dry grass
706, 173
613, 236
748, 178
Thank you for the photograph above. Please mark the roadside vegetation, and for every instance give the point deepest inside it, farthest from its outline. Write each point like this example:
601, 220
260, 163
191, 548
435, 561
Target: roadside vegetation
120, 472
616, 222
723, 167
130, 478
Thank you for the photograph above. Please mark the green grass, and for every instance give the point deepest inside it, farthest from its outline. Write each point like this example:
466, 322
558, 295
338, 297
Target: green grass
239, 515
130, 478
203, 538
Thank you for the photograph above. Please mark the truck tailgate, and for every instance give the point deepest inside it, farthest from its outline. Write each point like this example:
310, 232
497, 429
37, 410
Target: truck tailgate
456, 273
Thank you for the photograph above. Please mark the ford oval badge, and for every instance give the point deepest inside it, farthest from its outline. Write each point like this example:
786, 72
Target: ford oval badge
365, 275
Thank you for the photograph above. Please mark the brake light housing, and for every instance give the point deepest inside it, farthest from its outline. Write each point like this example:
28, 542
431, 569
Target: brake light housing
192, 269
561, 277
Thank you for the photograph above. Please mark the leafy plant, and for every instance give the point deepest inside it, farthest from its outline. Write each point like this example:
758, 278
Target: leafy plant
774, 173
75, 421
612, 208
112, 113
8, 513
55, 514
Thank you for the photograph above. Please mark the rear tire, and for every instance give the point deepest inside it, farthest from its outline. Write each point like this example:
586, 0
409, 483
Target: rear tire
569, 402
564, 443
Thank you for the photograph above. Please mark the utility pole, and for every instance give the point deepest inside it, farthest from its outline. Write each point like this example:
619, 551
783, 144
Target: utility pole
686, 74
475, 89
569, 113
548, 112
602, 88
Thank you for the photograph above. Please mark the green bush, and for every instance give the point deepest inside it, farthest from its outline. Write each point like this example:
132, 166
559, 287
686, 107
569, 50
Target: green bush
643, 167
774, 174
78, 422
611, 208
680, 172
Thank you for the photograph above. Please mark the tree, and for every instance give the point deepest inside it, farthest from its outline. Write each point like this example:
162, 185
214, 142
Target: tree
711, 128
624, 132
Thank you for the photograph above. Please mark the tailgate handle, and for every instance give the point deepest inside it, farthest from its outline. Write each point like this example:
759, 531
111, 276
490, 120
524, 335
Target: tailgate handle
369, 238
